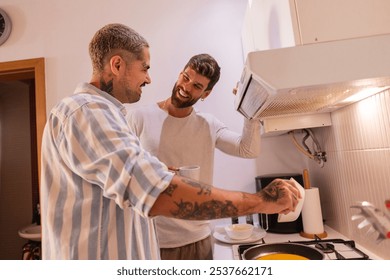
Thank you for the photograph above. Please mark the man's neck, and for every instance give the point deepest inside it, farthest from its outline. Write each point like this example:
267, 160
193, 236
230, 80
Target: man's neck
167, 106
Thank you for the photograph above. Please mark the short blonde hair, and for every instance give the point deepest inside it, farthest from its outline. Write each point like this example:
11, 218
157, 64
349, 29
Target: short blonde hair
113, 39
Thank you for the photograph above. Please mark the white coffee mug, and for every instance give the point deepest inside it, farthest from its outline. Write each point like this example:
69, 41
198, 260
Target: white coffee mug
190, 171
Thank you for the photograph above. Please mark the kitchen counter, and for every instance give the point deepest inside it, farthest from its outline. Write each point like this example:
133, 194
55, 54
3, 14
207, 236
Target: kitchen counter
225, 251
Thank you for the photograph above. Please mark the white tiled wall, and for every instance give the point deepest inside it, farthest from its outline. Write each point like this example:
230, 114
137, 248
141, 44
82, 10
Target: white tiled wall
357, 168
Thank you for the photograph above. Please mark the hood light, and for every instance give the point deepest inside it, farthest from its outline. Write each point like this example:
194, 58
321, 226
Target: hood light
360, 95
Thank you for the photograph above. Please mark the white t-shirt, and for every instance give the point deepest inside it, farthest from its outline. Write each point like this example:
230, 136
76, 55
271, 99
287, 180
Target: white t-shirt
189, 141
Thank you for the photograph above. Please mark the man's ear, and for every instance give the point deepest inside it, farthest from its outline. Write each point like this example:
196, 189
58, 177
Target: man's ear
205, 94
116, 63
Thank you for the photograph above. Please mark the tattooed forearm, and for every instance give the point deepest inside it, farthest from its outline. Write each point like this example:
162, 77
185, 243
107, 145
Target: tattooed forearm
107, 87
191, 210
207, 210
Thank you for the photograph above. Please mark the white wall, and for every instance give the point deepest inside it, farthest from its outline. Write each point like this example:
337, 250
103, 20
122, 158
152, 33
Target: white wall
358, 167
60, 31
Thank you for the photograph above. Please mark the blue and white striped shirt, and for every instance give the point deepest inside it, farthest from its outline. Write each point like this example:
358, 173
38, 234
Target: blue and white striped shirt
97, 183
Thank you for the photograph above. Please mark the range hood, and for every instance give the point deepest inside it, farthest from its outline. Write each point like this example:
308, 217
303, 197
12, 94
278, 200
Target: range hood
311, 80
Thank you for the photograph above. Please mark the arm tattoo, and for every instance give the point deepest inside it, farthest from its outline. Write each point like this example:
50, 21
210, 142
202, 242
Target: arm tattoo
211, 209
170, 189
203, 189
107, 87
207, 210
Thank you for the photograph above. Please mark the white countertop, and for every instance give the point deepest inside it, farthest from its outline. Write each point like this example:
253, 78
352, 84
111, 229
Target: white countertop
224, 251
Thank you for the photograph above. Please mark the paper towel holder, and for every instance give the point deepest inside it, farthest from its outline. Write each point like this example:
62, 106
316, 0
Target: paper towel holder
304, 234
313, 236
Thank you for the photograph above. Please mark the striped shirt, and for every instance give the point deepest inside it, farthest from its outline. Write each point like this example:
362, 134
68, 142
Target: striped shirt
97, 183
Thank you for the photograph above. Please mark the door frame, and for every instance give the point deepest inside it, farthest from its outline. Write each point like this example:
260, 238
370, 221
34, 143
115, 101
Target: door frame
30, 69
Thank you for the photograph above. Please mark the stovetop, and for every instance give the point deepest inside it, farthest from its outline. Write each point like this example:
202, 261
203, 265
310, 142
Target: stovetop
333, 249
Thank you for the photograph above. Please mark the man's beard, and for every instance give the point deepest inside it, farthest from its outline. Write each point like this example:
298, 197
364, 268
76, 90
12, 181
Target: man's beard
178, 103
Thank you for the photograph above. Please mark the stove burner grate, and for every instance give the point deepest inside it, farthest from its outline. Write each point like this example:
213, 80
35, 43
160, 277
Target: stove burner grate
325, 247
347, 248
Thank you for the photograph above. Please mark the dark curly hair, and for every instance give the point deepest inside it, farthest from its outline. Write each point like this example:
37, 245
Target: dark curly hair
207, 66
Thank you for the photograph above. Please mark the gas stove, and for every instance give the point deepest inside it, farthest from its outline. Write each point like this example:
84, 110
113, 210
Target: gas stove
333, 249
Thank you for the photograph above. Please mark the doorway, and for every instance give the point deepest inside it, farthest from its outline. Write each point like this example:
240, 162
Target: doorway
22, 119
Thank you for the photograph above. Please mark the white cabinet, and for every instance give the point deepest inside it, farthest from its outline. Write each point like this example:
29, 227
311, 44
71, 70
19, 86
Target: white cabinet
271, 24
320, 21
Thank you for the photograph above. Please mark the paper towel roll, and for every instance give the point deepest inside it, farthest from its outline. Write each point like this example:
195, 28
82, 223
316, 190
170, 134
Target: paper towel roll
311, 212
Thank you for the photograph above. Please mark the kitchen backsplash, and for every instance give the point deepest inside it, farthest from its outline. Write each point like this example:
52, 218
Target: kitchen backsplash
357, 168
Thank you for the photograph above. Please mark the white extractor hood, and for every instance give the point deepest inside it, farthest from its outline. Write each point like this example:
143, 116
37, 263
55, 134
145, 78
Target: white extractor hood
304, 82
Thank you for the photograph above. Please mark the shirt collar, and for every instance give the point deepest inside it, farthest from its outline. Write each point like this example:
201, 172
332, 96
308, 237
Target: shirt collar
88, 88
